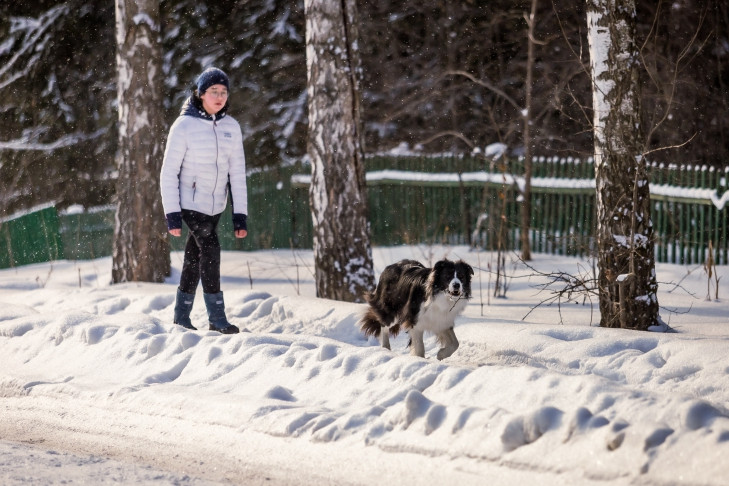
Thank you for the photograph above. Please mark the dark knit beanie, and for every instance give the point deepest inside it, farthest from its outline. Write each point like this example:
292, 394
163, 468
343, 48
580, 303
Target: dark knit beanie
209, 77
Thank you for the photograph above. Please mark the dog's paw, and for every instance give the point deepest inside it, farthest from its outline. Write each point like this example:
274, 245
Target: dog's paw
443, 353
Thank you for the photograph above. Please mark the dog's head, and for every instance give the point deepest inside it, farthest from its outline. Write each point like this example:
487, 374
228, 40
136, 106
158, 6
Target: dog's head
453, 278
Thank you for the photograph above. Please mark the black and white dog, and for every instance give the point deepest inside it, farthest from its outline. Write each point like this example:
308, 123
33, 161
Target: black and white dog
419, 299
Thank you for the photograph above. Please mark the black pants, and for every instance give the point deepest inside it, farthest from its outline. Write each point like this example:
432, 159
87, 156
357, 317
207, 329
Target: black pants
202, 253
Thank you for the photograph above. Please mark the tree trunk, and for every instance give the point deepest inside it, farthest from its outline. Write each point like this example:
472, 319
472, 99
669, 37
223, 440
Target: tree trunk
526, 206
338, 197
141, 249
626, 262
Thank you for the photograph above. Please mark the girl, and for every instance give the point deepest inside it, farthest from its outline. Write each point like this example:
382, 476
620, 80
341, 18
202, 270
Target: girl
203, 159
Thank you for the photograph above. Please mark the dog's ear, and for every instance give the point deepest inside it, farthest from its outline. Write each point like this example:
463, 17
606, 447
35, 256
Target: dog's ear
466, 266
440, 264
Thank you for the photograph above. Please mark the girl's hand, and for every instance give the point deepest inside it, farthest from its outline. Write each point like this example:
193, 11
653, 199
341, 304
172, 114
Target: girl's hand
176, 232
241, 233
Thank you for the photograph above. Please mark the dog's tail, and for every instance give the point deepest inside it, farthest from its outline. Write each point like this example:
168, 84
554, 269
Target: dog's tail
370, 323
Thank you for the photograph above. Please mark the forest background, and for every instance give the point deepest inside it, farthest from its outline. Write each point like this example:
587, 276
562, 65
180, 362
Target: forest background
439, 76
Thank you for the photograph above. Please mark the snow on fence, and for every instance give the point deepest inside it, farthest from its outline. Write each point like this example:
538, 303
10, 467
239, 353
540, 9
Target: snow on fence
426, 200
454, 200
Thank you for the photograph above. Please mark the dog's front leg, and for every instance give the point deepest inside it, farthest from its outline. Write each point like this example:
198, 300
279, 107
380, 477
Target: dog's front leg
417, 348
449, 343
385, 337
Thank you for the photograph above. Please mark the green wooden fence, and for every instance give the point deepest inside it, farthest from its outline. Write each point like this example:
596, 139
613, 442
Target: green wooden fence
33, 237
46, 235
427, 200
463, 200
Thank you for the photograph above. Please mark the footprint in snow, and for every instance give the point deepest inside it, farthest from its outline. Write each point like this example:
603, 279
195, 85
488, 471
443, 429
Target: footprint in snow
188, 340
657, 437
584, 419
213, 354
526, 429
280, 393
244, 310
434, 418
160, 302
327, 352
96, 334
112, 306
416, 406
701, 414
265, 308
168, 376
156, 344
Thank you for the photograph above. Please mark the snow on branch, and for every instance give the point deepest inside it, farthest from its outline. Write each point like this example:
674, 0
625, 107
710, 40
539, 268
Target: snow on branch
143, 18
29, 141
30, 33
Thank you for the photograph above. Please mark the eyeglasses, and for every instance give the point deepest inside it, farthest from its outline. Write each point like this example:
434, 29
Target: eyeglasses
217, 94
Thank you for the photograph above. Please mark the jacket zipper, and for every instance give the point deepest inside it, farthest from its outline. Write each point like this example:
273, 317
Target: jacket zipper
217, 153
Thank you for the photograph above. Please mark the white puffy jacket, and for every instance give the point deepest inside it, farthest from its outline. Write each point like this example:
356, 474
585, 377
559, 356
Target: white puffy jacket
201, 157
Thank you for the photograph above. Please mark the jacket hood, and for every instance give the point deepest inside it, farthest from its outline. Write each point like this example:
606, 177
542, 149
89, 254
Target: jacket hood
193, 107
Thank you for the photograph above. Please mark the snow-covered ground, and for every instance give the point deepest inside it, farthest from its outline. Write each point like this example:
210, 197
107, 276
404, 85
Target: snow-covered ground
98, 386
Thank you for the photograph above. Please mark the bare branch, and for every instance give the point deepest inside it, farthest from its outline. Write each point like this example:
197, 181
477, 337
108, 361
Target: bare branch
486, 85
449, 133
565, 288
673, 82
670, 146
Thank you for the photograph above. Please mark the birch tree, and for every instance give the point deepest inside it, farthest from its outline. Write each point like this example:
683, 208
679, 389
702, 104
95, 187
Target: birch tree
526, 206
626, 264
338, 200
140, 248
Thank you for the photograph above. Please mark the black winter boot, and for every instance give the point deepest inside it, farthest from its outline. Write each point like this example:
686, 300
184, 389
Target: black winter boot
216, 314
183, 307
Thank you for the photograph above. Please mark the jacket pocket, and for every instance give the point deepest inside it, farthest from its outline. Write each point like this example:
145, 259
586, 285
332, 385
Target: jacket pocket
194, 188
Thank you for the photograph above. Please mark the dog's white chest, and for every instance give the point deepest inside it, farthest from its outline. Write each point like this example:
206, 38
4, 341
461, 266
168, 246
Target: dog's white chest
439, 313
